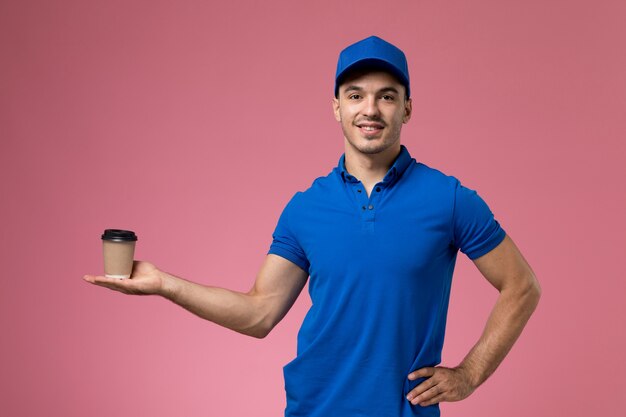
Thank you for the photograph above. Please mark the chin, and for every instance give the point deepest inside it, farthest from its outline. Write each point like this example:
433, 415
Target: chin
370, 148
371, 151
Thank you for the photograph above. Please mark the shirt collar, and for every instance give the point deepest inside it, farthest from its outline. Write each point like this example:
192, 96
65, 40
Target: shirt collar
400, 165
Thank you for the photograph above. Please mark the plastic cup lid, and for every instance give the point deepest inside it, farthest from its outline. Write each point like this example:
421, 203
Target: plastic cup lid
118, 235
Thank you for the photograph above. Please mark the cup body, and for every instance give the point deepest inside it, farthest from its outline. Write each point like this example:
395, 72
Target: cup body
118, 250
118, 258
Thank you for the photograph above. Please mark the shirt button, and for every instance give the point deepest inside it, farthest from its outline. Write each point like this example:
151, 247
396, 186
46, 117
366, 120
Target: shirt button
358, 190
377, 188
371, 207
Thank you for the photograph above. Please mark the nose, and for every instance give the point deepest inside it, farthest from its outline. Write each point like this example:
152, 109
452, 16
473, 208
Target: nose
370, 107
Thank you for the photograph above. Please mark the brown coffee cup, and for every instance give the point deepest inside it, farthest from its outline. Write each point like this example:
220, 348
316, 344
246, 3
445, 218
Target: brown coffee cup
118, 247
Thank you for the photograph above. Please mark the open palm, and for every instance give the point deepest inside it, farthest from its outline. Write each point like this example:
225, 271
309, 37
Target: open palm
145, 279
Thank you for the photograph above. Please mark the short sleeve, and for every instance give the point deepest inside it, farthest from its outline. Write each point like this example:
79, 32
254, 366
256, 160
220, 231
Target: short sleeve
285, 243
476, 232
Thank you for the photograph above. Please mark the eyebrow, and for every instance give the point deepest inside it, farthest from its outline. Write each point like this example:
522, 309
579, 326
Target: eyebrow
382, 90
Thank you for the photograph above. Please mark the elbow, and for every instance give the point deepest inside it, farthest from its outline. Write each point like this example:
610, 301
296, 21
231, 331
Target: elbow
260, 332
536, 287
260, 328
532, 291
524, 293
265, 326
537, 290
262, 317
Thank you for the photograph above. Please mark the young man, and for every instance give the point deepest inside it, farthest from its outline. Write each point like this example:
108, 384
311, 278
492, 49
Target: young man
379, 238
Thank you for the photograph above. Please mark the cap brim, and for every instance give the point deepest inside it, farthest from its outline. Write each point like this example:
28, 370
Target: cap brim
371, 64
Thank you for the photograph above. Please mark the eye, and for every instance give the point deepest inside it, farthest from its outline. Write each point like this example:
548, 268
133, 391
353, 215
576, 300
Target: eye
354, 96
388, 97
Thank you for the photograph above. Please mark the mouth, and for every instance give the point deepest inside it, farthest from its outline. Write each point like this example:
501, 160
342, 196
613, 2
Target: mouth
370, 128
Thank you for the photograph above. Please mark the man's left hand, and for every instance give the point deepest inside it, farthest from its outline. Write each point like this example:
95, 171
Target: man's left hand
442, 384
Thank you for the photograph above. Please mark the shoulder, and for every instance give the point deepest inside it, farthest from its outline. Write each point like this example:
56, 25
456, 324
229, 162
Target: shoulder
457, 189
431, 179
321, 188
432, 173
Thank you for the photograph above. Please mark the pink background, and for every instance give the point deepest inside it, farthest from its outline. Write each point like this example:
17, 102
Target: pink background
194, 122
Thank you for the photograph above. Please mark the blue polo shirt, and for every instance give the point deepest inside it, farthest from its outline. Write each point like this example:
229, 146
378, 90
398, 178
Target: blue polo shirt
380, 271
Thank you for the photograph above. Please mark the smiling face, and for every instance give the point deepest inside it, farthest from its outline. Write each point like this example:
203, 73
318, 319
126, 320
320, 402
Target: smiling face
371, 107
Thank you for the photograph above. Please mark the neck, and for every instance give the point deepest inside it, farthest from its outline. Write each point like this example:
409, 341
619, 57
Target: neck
370, 168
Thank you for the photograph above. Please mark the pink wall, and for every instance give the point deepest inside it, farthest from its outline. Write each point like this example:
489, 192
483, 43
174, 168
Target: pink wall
193, 124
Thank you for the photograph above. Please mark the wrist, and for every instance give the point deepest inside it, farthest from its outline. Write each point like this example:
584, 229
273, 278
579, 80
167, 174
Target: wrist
471, 375
170, 286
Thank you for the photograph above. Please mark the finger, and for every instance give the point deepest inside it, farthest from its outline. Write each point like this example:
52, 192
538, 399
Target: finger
435, 400
421, 388
114, 281
422, 373
427, 395
100, 278
111, 283
89, 278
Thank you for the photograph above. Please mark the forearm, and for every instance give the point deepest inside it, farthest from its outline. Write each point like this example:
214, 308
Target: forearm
505, 324
234, 310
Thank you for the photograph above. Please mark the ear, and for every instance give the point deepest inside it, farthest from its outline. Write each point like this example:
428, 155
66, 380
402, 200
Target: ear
408, 109
336, 109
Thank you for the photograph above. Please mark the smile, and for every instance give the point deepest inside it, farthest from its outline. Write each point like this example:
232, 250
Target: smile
370, 126
370, 129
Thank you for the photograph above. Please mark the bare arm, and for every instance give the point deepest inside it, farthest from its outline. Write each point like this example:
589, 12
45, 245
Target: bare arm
255, 313
507, 270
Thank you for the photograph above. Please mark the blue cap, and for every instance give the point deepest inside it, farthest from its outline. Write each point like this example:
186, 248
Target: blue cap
375, 53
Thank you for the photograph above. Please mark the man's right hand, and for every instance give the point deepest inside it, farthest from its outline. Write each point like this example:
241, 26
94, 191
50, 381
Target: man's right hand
145, 279
254, 313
